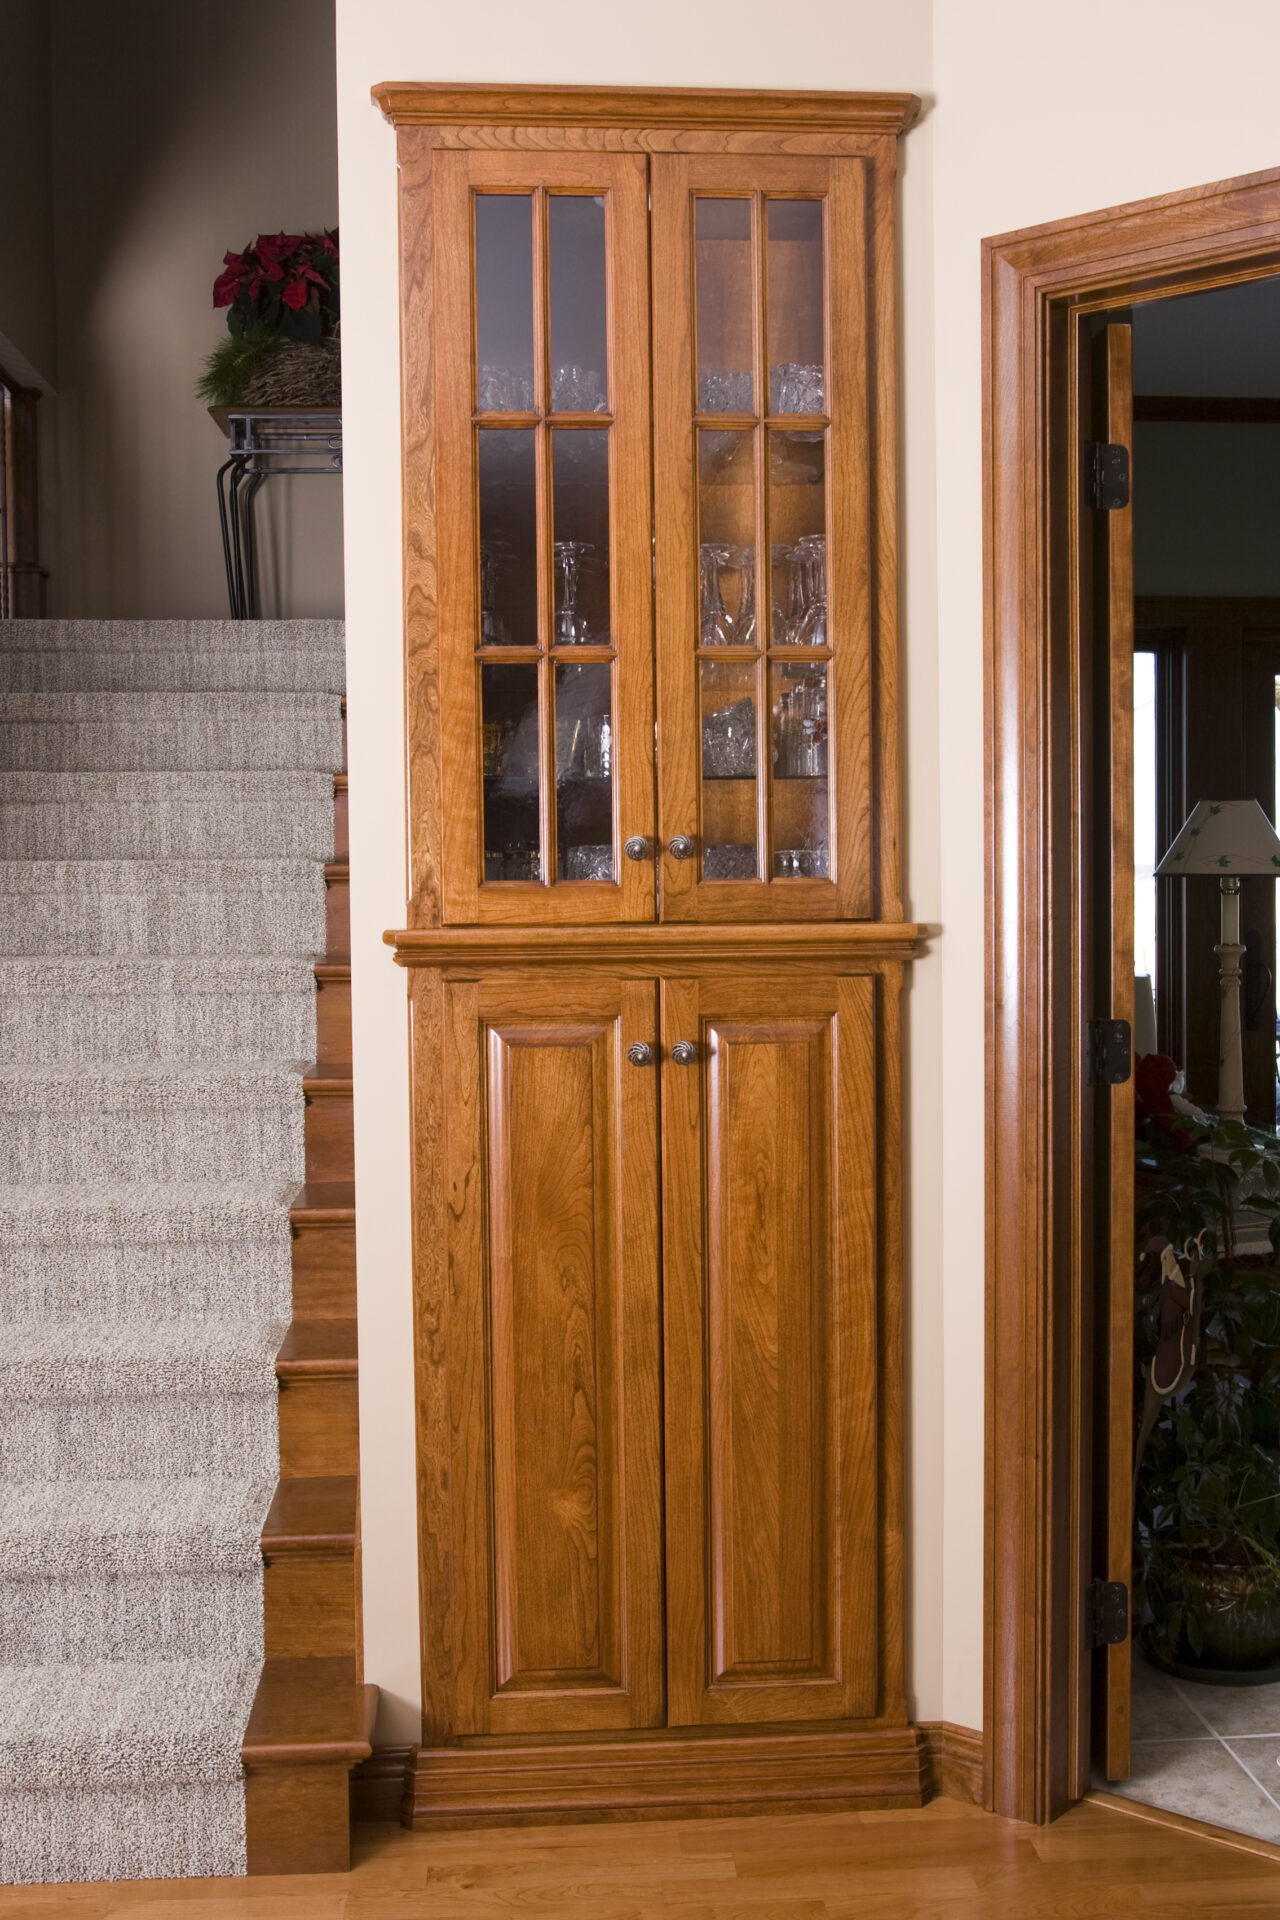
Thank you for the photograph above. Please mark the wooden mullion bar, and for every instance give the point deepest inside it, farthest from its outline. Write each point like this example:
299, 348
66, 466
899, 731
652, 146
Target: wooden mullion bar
545, 536
763, 572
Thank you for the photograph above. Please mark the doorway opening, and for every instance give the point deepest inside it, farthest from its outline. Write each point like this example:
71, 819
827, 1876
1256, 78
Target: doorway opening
1060, 1243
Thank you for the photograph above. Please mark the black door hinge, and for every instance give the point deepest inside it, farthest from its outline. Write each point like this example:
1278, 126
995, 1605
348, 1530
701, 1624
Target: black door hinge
1107, 1613
1110, 1057
1107, 473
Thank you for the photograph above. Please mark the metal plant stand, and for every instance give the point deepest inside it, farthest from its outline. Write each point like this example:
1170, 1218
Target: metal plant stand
265, 441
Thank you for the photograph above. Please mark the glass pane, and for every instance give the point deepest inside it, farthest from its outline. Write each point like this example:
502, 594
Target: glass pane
584, 771
510, 753
580, 516
504, 302
579, 353
728, 770
508, 538
798, 530
801, 802
727, 533
1144, 817
724, 289
793, 268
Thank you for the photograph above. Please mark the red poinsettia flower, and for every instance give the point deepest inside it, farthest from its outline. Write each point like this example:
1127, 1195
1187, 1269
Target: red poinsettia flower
295, 294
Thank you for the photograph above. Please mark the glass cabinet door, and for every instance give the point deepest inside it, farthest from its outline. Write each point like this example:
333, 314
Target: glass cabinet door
543, 522
761, 538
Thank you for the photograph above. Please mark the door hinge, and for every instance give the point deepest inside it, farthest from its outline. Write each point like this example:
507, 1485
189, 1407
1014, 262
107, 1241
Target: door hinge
1110, 1053
1107, 1613
1107, 473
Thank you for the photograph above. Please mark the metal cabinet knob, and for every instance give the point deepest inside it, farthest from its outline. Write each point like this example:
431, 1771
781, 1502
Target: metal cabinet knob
640, 1053
636, 848
684, 1052
681, 848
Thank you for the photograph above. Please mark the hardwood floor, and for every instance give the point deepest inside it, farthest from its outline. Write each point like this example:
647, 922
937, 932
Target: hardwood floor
946, 1861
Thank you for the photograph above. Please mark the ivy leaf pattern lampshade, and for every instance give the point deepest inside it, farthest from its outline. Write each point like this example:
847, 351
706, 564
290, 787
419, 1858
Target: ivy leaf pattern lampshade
1225, 836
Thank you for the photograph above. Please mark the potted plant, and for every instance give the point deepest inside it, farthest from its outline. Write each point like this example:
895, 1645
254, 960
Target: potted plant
1207, 1492
281, 297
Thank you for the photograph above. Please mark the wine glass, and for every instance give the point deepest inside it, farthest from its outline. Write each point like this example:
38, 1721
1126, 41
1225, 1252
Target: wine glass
746, 621
570, 624
717, 627
494, 555
812, 631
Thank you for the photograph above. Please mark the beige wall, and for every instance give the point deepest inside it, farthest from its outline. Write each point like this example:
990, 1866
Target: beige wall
1026, 124
179, 131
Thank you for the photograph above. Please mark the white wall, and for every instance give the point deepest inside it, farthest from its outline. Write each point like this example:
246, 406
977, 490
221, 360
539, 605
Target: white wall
729, 43
1040, 113
179, 132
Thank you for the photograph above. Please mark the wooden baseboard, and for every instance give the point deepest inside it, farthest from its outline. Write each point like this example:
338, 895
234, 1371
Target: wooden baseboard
955, 1760
378, 1784
665, 1775
1183, 1823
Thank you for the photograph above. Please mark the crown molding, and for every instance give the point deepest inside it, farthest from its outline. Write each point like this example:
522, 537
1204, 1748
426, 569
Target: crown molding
442, 103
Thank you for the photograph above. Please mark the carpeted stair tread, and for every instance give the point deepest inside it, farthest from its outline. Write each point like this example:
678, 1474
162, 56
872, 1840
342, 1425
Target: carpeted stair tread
50, 1527
165, 816
120, 1359
117, 1723
82, 732
138, 907
128, 1087
307, 637
178, 672
186, 1212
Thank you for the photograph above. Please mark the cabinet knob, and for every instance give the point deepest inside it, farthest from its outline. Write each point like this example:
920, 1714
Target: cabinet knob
684, 1052
681, 848
636, 848
640, 1053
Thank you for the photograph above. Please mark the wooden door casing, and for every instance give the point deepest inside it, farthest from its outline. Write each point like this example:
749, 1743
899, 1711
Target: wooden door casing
852, 558
541, 1439
620, 180
771, 1317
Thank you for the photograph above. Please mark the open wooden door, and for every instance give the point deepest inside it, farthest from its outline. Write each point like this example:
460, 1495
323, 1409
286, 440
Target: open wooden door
1106, 549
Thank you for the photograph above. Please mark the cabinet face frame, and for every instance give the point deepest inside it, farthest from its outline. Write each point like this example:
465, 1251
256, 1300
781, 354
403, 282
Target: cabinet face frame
517, 131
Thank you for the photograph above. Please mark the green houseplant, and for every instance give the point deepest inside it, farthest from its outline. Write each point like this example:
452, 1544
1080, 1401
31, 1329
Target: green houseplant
282, 300
1207, 1494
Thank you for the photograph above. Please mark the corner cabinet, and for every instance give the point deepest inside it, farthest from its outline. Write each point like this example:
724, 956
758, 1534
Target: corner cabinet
655, 949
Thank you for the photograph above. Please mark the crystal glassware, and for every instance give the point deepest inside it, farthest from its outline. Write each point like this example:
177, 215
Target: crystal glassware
794, 388
745, 624
577, 390
494, 557
812, 628
571, 628
729, 742
717, 628
722, 390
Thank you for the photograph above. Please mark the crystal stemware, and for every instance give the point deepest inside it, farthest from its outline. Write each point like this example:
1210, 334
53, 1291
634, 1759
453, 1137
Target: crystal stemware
494, 556
812, 630
717, 629
570, 624
746, 621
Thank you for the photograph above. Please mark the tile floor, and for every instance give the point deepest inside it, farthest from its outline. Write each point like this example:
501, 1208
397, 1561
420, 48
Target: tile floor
1210, 1752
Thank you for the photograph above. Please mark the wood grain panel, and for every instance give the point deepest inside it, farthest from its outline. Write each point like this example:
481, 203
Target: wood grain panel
442, 103
771, 1314
546, 1352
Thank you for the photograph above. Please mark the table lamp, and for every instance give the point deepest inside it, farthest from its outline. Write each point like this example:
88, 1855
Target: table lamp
1227, 837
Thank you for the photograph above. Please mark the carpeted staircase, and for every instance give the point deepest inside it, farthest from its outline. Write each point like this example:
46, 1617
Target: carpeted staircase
166, 809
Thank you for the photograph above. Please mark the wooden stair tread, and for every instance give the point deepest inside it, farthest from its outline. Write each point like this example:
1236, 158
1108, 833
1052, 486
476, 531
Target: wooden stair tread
340, 783
317, 1347
324, 1200
335, 970
309, 1712
312, 1516
330, 1078
337, 870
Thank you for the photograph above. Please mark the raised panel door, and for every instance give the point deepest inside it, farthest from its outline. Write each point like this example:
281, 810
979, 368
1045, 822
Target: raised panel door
766, 590
543, 509
771, 1346
548, 1352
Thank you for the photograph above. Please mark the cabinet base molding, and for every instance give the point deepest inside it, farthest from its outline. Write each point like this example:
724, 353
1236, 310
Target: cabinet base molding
672, 1775
955, 1760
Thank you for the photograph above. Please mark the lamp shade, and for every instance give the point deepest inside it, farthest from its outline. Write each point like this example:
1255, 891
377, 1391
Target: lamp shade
1225, 836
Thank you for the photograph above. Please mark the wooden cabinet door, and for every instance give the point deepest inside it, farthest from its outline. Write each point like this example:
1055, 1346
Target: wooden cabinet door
544, 549
769, 1153
541, 1441
770, 462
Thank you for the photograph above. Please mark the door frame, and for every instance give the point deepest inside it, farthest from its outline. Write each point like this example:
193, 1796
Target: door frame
1038, 1336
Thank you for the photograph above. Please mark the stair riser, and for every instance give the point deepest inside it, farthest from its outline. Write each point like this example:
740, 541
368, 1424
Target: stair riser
333, 1021
89, 746
218, 1143
309, 1605
137, 925
319, 1426
160, 1435
117, 1616
337, 922
177, 832
121, 1028
128, 1280
155, 670
324, 1272
330, 1129
122, 1833
298, 1819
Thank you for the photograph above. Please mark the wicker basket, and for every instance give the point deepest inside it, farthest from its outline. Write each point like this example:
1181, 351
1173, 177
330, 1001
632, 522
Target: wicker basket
298, 376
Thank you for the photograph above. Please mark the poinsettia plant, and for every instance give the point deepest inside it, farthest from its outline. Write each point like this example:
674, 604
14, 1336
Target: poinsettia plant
284, 282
